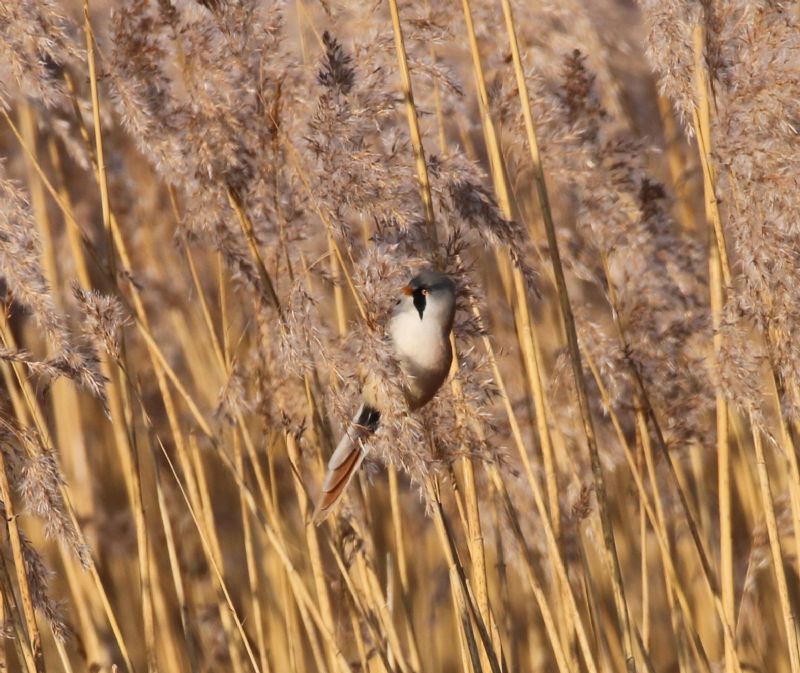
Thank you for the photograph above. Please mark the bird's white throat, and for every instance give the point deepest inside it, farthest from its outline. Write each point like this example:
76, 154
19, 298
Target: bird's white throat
421, 344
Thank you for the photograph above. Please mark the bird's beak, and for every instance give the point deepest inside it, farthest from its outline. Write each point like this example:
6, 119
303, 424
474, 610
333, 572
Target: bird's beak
408, 291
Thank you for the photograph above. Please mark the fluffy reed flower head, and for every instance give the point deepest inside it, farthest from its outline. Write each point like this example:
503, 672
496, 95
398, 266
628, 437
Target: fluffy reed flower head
36, 42
636, 254
21, 269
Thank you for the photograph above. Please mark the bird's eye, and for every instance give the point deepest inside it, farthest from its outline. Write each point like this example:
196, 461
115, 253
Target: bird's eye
424, 291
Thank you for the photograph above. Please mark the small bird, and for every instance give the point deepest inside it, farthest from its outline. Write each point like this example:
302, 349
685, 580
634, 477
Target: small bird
420, 334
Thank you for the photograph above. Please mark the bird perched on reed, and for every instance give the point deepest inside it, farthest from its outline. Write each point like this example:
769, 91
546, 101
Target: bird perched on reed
420, 334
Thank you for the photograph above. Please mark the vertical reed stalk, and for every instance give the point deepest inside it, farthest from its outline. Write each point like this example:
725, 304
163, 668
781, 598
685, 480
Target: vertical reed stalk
723, 466
719, 277
99, 155
206, 512
406, 596
413, 122
574, 351
461, 595
539, 501
21, 642
37, 416
775, 546
338, 294
526, 332
657, 518
67, 416
473, 527
175, 571
312, 542
702, 126
676, 163
143, 545
32, 642
253, 574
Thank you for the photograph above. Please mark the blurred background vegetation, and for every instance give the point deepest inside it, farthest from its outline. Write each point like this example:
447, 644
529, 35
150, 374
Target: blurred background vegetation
207, 210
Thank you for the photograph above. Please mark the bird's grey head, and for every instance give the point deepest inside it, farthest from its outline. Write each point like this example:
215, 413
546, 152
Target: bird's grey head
433, 296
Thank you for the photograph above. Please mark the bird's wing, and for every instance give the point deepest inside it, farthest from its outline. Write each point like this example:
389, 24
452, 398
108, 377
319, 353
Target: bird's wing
345, 460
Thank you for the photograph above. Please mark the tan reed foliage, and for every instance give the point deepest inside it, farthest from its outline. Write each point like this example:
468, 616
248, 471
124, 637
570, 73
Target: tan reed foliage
207, 211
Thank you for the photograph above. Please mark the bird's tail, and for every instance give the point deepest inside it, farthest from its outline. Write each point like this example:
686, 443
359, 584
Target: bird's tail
346, 460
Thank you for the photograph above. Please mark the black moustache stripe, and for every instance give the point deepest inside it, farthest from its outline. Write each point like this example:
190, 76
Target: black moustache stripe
419, 301
369, 418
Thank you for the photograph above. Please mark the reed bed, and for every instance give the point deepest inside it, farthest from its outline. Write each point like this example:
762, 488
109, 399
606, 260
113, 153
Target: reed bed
207, 210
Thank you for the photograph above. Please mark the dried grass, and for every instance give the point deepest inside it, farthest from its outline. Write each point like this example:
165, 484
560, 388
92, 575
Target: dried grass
207, 210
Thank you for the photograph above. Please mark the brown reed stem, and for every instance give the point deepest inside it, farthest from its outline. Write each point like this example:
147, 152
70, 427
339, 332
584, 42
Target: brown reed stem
21, 642
32, 648
539, 500
646, 408
702, 126
99, 155
701, 117
413, 122
776, 550
36, 414
574, 351
249, 233
406, 597
655, 513
458, 579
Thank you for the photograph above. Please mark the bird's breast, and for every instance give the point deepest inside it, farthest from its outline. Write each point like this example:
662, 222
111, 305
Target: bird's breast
424, 352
